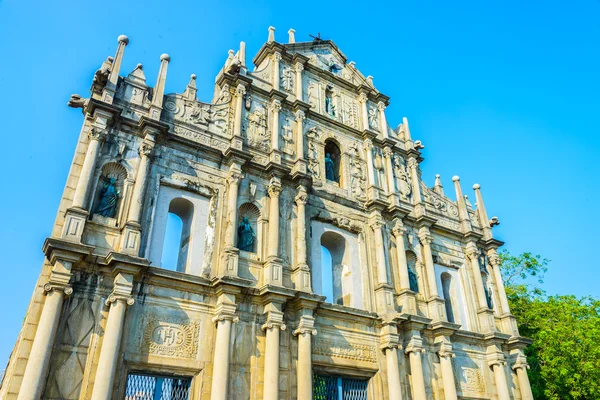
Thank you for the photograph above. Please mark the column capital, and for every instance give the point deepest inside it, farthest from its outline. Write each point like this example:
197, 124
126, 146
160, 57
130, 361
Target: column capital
57, 287
387, 152
302, 196
412, 162
398, 230
275, 105
521, 362
274, 321
376, 221
300, 116
496, 359
368, 144
276, 56
299, 66
305, 326
115, 297
381, 106
362, 97
240, 90
97, 134
225, 312
494, 258
472, 251
445, 349
274, 187
146, 148
415, 345
425, 236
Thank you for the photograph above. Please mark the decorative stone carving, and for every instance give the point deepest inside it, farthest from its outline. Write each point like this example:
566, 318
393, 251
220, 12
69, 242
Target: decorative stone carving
256, 131
344, 349
314, 167
287, 79
287, 137
209, 240
358, 180
402, 175
373, 118
166, 336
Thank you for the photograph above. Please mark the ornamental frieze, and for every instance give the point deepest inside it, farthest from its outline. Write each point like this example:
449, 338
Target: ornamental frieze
344, 349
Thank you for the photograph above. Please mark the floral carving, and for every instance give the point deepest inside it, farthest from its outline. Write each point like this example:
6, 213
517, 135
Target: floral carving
287, 79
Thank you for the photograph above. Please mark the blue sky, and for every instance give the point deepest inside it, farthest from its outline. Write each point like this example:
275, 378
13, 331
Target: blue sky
504, 94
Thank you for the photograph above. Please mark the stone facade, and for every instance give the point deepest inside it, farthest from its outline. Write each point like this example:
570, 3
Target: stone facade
295, 159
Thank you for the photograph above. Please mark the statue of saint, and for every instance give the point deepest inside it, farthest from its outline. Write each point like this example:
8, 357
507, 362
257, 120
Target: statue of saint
329, 168
412, 278
107, 207
246, 236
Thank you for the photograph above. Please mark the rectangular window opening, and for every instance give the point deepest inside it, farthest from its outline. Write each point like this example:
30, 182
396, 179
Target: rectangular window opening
327, 387
142, 386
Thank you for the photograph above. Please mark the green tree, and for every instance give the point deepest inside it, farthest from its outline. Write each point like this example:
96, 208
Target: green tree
565, 354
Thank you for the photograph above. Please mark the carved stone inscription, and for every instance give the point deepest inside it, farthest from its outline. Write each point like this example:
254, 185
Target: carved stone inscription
469, 377
344, 349
169, 337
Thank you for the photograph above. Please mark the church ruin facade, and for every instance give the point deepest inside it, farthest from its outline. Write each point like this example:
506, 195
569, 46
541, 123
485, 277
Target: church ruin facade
277, 242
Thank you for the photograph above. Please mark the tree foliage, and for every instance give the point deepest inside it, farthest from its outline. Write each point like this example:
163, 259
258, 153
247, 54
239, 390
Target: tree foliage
565, 354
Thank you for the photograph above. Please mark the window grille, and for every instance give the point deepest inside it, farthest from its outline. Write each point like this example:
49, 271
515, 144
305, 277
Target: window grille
155, 387
338, 388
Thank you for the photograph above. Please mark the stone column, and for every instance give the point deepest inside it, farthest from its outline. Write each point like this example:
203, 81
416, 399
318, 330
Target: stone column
377, 224
300, 116
34, 377
391, 180
304, 332
486, 316
497, 366
520, 367
240, 91
275, 108
446, 355
362, 99
231, 253
416, 188
299, 69
272, 327
426, 240
495, 263
111, 343
301, 272
224, 318
414, 350
368, 146
141, 179
276, 62
273, 268
382, 120
398, 231
390, 345
87, 169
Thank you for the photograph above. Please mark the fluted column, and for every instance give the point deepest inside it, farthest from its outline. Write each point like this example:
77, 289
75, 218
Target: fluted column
382, 120
276, 77
137, 199
520, 367
274, 193
96, 136
240, 91
275, 108
224, 318
300, 116
414, 350
390, 345
304, 332
416, 187
497, 366
301, 272
446, 355
272, 326
36, 370
382, 276
362, 99
398, 231
299, 68
111, 343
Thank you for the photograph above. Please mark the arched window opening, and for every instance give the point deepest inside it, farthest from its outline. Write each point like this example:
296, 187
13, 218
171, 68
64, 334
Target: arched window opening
327, 274
332, 161
411, 263
247, 228
447, 290
337, 273
177, 235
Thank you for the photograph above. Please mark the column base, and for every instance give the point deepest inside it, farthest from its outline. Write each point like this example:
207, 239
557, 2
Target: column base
131, 237
273, 272
408, 301
301, 278
437, 308
487, 321
75, 219
384, 298
231, 258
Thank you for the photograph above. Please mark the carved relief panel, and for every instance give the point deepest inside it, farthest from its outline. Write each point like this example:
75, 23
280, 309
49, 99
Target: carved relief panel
255, 128
214, 118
